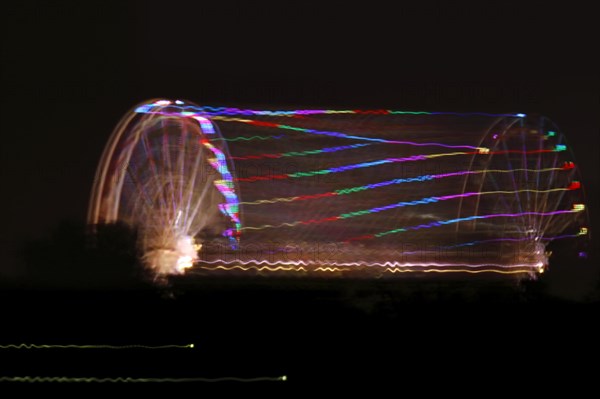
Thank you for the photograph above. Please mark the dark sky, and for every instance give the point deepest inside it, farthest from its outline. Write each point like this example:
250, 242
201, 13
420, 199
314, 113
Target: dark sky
70, 70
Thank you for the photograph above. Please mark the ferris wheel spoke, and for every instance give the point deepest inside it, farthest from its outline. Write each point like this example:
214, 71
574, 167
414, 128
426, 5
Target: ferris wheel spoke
539, 198
525, 175
153, 168
190, 188
181, 162
168, 171
497, 186
199, 202
145, 198
549, 183
513, 179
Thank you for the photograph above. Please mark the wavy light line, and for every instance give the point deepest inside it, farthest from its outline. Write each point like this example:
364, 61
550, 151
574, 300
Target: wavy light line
300, 153
256, 268
338, 169
34, 346
519, 271
512, 269
389, 270
29, 379
225, 185
355, 189
241, 138
420, 157
208, 110
338, 134
458, 220
422, 201
277, 265
505, 239
147, 108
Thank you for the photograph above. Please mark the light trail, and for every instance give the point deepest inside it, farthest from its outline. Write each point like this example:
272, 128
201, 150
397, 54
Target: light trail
458, 220
356, 189
422, 201
122, 380
34, 346
183, 108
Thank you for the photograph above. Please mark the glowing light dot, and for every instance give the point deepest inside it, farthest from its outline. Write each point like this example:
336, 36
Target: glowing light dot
551, 133
578, 207
178, 102
163, 102
283, 378
192, 346
560, 147
483, 150
184, 262
520, 115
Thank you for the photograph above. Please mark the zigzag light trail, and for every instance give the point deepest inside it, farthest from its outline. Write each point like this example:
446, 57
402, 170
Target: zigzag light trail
421, 201
184, 109
443, 268
318, 132
345, 168
262, 263
341, 135
118, 347
127, 380
241, 138
421, 178
300, 153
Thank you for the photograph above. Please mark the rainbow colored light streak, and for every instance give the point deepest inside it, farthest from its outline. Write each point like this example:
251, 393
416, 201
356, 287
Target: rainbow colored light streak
225, 185
34, 346
345, 168
422, 201
163, 109
206, 126
458, 220
215, 111
515, 137
339, 134
422, 178
505, 239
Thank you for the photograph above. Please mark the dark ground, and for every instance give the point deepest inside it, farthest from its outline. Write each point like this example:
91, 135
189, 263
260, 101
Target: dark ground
338, 333
453, 330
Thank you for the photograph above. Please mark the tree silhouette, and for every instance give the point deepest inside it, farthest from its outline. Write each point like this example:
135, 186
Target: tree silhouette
82, 257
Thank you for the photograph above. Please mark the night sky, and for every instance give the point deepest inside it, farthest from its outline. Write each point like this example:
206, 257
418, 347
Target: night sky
71, 70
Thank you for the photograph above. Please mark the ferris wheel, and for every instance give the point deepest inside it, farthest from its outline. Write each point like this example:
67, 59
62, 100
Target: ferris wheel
167, 174
528, 179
